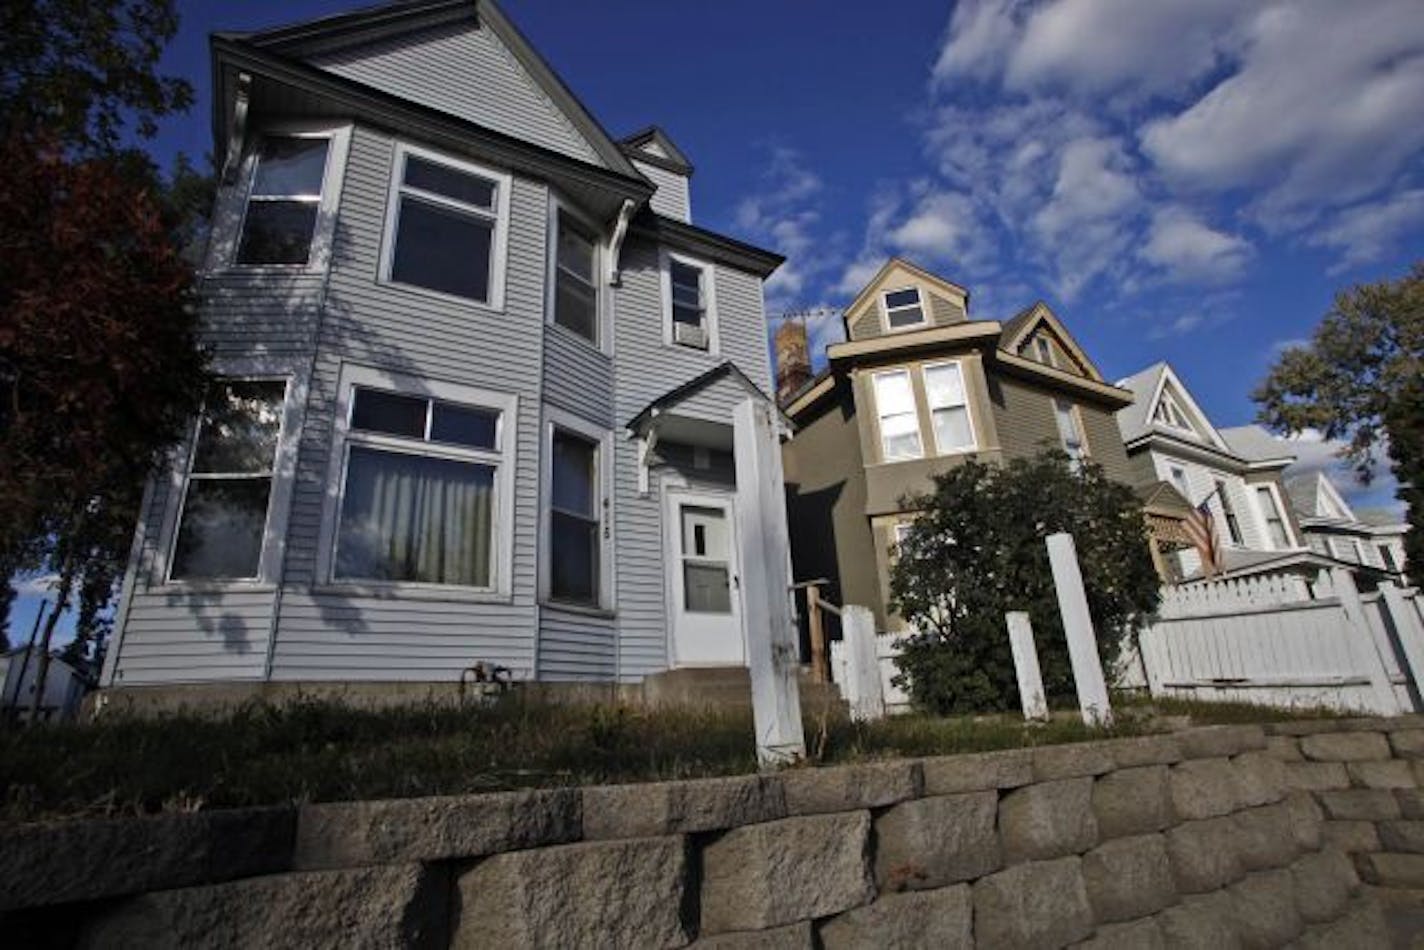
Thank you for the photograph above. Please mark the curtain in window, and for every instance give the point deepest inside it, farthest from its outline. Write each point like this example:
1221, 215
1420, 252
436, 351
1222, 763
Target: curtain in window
415, 518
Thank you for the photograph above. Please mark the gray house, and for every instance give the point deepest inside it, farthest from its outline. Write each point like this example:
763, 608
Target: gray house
488, 393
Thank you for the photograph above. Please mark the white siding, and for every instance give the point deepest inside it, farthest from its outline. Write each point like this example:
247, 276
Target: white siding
673, 198
577, 377
576, 646
1201, 481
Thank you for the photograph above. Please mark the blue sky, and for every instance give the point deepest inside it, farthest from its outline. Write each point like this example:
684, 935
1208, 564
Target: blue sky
1189, 180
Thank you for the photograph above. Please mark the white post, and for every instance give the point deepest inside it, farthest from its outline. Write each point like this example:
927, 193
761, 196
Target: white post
1035, 706
866, 693
772, 651
1078, 627
1361, 643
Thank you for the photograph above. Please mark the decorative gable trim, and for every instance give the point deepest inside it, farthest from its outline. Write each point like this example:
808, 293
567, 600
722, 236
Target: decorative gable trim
1200, 423
672, 159
869, 295
1039, 316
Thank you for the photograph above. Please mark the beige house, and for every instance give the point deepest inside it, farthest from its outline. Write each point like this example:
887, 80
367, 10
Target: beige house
917, 388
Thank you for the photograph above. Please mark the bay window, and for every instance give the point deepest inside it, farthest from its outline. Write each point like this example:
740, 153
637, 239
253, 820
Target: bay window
899, 422
283, 200
575, 278
949, 408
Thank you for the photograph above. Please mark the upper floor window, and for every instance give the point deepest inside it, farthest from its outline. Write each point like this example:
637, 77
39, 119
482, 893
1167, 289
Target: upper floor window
574, 520
1070, 431
575, 278
222, 522
1275, 524
1386, 554
903, 308
284, 200
1179, 480
1045, 350
899, 422
1233, 526
949, 408
445, 228
690, 318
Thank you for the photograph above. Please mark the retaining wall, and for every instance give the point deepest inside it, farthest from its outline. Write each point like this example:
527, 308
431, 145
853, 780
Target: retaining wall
1218, 837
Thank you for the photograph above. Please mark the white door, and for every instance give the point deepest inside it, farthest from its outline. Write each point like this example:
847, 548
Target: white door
702, 568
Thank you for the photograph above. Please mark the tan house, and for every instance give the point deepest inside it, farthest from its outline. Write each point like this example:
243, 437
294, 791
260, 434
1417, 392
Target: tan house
917, 388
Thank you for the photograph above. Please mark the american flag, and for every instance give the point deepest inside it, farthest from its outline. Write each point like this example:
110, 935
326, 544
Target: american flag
1201, 529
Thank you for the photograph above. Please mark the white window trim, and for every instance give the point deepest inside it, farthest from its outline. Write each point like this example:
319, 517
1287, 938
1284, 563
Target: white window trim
1169, 405
709, 274
885, 309
973, 445
232, 208
279, 504
555, 418
603, 302
499, 246
503, 456
914, 410
1079, 429
1262, 517
1223, 499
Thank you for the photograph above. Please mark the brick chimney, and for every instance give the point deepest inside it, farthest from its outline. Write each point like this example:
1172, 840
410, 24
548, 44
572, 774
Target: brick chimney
793, 359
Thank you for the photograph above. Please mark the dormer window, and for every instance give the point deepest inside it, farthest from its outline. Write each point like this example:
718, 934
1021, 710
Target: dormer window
903, 309
1170, 414
1045, 350
283, 202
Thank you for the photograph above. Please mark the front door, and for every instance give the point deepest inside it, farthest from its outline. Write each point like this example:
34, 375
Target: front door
702, 567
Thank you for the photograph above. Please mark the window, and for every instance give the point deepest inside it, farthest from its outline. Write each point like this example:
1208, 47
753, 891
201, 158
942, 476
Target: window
419, 494
949, 408
1358, 551
1386, 554
1070, 431
446, 231
575, 280
574, 528
706, 560
1275, 525
903, 308
283, 201
1045, 350
223, 520
899, 423
1179, 480
1233, 527
689, 300
1170, 414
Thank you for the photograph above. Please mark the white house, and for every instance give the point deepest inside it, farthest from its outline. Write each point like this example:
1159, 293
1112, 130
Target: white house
1333, 529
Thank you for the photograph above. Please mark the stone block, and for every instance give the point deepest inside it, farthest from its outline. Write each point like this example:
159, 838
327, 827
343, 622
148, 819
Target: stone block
1132, 801
1200, 922
1129, 878
1204, 855
1204, 788
761, 876
663, 808
1362, 926
1407, 743
1071, 760
1411, 802
393, 906
1396, 773
1312, 727
1345, 747
352, 834
1359, 804
1306, 820
1261, 779
1284, 748
1211, 742
86, 860
1316, 776
851, 787
928, 919
1135, 935
1264, 837
1264, 910
1145, 750
1048, 820
1351, 837
1036, 904
1391, 870
1402, 836
797, 936
980, 771
931, 842
618, 893
1324, 883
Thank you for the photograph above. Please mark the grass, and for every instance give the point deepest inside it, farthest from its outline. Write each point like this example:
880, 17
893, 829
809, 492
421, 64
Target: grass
324, 750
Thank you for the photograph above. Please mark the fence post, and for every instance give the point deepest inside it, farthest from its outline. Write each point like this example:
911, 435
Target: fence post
1078, 626
1409, 629
866, 694
816, 625
1035, 706
1362, 642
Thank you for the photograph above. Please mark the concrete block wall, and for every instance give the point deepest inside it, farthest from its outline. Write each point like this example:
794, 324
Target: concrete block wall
1195, 838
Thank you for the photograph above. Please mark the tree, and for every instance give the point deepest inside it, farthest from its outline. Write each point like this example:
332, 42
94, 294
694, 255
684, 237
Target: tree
977, 551
1359, 380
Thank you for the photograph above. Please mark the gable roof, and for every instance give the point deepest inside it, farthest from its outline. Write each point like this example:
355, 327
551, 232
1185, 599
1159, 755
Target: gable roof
1311, 495
672, 159
1147, 386
884, 271
673, 396
1018, 328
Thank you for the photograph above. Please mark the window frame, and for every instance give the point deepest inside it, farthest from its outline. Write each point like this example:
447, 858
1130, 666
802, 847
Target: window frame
1387, 557
973, 445
232, 208
666, 257
914, 412
503, 457
499, 240
1076, 418
885, 309
558, 419
1235, 536
1275, 499
603, 338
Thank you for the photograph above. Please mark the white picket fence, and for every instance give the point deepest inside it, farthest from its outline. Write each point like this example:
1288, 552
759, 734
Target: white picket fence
886, 649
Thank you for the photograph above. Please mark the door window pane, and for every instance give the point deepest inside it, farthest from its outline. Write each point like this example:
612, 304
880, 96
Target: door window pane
707, 588
706, 551
443, 249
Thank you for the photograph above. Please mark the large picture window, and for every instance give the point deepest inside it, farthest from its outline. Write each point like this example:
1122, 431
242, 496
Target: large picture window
445, 230
418, 502
284, 200
949, 408
899, 423
575, 279
223, 519
574, 523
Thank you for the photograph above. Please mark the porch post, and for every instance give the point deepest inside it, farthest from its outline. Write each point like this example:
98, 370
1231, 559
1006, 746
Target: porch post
772, 653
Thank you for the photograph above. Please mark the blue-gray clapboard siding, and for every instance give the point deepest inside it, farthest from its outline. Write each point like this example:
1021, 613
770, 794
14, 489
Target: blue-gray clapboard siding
577, 377
465, 71
576, 646
673, 198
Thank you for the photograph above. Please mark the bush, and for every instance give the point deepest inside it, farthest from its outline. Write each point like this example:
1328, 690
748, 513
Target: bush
977, 551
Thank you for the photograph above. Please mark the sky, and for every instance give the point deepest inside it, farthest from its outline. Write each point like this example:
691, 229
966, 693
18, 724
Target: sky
1188, 180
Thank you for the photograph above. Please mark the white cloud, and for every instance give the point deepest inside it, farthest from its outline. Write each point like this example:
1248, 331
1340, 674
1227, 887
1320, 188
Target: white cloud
1085, 226
1316, 454
783, 214
980, 31
1189, 250
1367, 232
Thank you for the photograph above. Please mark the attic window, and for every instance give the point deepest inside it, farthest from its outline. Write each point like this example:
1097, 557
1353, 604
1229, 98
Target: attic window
903, 308
1170, 414
1045, 350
